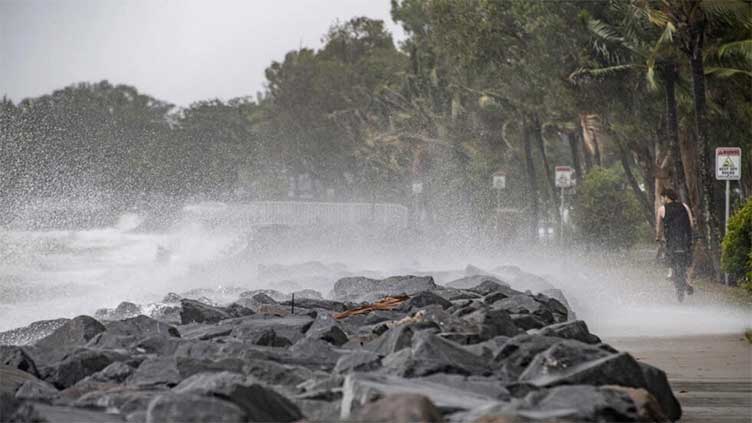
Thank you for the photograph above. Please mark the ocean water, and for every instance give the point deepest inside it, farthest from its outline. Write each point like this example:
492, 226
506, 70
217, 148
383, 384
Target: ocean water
47, 274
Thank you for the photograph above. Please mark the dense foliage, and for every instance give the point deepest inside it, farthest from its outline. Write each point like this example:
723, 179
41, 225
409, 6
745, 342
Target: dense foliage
606, 214
737, 245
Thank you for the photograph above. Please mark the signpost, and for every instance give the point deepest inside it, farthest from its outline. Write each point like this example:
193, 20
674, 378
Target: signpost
499, 182
564, 180
728, 167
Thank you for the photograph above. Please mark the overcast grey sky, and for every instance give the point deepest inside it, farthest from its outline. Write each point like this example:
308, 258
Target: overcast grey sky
176, 50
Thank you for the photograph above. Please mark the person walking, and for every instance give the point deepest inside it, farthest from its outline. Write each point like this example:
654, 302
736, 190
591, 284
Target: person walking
674, 226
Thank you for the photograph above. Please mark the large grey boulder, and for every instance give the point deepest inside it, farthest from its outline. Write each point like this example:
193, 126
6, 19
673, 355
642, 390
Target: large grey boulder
77, 366
518, 352
17, 358
198, 312
71, 335
358, 361
256, 329
614, 369
576, 329
258, 402
189, 408
578, 403
491, 323
402, 408
361, 388
399, 337
361, 289
123, 333
432, 354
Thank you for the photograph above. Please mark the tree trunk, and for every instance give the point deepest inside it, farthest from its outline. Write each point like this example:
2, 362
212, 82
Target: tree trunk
670, 75
572, 137
550, 177
708, 222
640, 194
532, 193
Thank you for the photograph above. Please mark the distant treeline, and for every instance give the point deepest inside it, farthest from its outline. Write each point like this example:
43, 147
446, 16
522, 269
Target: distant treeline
646, 87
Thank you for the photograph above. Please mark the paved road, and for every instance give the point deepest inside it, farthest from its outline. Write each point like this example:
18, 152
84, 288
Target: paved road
711, 375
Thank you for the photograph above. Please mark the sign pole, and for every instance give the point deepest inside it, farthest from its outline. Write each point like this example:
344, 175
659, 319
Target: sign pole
725, 229
728, 168
561, 217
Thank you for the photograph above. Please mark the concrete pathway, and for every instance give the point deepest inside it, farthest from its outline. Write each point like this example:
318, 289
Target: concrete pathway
711, 375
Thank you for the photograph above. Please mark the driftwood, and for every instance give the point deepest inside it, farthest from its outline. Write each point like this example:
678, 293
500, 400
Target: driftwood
386, 303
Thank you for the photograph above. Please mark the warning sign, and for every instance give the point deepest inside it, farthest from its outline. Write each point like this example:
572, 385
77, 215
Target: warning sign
564, 176
499, 180
728, 163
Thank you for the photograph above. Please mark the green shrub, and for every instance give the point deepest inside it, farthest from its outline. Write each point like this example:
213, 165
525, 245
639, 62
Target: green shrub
736, 255
606, 214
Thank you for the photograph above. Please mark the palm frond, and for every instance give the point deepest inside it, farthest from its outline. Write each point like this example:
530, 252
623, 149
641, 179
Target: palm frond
601, 72
604, 31
737, 48
726, 72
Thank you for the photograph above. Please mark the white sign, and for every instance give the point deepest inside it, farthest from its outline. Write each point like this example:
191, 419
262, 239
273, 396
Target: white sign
564, 176
728, 163
417, 187
499, 180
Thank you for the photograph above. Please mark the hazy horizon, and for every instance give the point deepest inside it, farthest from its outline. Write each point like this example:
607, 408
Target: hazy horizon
177, 51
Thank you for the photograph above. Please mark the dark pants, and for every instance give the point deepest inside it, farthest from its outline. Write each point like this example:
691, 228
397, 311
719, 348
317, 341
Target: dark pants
679, 260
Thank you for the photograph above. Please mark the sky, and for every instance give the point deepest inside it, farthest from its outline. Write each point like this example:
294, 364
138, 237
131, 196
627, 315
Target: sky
179, 51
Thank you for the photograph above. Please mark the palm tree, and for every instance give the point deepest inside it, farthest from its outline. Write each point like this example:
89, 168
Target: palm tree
689, 22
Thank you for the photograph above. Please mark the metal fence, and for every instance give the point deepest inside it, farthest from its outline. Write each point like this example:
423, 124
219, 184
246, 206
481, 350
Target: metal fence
301, 213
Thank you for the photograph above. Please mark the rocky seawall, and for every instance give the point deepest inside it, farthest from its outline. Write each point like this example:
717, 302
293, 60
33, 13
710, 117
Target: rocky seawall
400, 349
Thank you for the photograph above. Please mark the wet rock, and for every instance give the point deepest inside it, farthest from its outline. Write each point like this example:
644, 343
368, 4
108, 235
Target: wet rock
116, 372
477, 281
156, 371
36, 412
17, 358
565, 403
277, 374
158, 345
187, 408
656, 382
124, 400
362, 388
358, 361
327, 329
560, 358
489, 348
492, 323
614, 369
317, 303
72, 334
31, 333
314, 352
122, 333
11, 379
518, 352
124, 310
361, 289
193, 311
267, 330
398, 338
37, 390
403, 408
453, 294
576, 330
423, 299
76, 366
266, 295
257, 402
529, 322
431, 354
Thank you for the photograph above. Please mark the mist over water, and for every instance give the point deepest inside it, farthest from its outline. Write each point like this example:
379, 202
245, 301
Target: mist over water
47, 274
